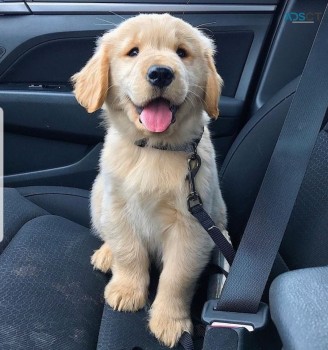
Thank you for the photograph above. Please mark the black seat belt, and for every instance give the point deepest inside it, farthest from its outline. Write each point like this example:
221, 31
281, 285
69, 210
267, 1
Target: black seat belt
240, 301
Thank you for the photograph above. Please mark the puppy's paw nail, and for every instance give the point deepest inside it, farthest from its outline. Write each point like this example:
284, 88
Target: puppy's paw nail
125, 297
102, 259
168, 330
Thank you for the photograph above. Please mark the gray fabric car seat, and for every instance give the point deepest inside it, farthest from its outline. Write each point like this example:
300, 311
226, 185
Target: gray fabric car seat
50, 298
299, 304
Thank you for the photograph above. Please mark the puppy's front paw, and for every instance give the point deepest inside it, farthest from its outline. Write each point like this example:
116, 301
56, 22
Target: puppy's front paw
168, 329
123, 296
102, 258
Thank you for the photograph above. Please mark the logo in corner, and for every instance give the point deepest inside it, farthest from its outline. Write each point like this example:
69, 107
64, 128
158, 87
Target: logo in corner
303, 17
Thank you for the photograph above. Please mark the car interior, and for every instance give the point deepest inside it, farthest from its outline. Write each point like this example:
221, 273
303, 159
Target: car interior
50, 296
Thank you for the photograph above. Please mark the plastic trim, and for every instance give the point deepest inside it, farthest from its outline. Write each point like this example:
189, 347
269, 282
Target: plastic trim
68, 175
87, 8
8, 8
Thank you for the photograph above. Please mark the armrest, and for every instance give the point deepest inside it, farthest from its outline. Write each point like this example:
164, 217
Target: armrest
299, 308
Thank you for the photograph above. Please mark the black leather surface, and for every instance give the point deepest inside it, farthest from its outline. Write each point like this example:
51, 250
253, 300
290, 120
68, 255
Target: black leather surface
299, 308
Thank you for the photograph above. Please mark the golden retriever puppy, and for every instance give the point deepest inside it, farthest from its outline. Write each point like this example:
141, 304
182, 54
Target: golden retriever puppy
155, 77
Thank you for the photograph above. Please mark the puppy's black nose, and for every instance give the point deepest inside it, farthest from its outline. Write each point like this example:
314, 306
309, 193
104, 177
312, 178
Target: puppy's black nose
160, 76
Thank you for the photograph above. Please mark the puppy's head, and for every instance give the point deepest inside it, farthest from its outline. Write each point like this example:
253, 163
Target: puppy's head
155, 69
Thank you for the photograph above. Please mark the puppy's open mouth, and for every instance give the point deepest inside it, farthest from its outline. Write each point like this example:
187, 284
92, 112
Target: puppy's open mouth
157, 115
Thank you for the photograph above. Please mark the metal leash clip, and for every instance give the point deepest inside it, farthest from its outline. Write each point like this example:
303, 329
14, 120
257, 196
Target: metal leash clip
194, 163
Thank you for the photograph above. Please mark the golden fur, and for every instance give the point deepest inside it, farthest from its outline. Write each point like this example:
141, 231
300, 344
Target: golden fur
138, 200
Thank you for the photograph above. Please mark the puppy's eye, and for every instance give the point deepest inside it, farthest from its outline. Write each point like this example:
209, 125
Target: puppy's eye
133, 52
182, 53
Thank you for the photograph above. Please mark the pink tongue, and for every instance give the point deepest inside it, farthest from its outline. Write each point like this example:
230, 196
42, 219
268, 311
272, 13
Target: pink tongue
156, 116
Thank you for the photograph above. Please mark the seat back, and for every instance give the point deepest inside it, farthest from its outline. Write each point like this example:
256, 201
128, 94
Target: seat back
243, 171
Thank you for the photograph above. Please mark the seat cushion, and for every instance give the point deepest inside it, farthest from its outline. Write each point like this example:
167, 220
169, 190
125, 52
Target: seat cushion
123, 330
299, 307
305, 241
50, 297
246, 162
17, 211
68, 202
129, 331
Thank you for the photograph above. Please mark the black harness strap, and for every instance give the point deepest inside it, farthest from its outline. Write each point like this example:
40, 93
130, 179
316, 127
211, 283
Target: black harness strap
195, 207
187, 147
215, 233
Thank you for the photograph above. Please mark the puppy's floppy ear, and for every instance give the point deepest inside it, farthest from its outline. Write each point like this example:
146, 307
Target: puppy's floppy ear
92, 82
213, 86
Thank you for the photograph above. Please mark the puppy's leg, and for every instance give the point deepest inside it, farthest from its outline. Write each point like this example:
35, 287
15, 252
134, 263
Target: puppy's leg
122, 251
128, 288
102, 258
186, 252
96, 206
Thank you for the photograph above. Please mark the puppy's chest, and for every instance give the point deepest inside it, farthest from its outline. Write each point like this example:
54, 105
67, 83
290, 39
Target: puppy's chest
151, 216
152, 191
154, 194
153, 174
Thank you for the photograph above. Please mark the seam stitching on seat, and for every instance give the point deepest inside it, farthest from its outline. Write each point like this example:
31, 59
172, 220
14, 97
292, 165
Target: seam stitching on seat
64, 194
60, 194
283, 261
13, 237
36, 217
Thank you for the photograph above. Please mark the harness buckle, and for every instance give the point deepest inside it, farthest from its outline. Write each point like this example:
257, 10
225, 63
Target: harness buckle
194, 163
193, 199
226, 319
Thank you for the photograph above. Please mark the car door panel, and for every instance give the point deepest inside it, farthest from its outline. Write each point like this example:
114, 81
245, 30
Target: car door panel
44, 125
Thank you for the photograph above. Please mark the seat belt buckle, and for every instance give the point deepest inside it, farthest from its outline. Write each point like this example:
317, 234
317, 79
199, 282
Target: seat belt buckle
226, 319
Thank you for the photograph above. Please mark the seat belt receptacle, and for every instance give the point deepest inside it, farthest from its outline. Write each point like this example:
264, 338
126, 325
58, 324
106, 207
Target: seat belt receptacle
226, 319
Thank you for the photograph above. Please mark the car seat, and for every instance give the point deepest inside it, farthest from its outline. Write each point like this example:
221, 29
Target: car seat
51, 298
